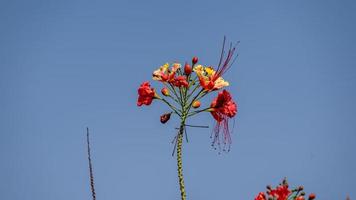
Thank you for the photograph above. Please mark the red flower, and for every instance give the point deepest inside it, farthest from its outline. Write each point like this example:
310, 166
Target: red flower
222, 108
180, 81
145, 94
281, 192
260, 196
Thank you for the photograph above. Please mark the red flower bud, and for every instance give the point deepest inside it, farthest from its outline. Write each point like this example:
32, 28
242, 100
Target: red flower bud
311, 196
165, 91
187, 69
300, 198
194, 60
165, 117
196, 104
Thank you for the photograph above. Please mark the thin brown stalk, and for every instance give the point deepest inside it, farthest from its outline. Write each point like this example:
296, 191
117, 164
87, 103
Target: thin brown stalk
90, 168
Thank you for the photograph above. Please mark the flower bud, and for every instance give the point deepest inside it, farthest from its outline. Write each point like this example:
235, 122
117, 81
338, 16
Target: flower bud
194, 60
187, 69
165, 91
269, 187
300, 198
311, 196
196, 104
300, 188
165, 117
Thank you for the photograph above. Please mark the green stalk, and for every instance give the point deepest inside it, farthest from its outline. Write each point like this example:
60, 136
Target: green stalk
179, 160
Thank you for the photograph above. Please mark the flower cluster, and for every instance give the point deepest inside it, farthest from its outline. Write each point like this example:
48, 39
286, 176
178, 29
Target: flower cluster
184, 87
282, 192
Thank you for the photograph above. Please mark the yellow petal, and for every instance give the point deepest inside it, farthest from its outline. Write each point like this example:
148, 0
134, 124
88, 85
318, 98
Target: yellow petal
220, 83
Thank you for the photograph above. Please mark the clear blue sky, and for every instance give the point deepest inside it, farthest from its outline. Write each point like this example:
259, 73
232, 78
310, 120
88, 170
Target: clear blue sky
65, 65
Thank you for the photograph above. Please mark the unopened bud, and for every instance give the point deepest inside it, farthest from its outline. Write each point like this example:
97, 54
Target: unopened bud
165, 91
300, 188
300, 198
194, 60
311, 196
187, 69
196, 104
302, 193
165, 117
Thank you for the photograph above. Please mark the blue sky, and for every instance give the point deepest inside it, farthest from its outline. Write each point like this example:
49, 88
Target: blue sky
66, 65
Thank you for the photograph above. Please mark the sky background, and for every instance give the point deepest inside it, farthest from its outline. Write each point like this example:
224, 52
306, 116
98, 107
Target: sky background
66, 65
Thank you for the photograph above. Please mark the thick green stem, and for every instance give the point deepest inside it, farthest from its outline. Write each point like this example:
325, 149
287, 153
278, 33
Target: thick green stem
179, 161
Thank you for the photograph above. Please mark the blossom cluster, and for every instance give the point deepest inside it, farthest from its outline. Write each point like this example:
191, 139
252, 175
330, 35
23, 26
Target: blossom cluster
282, 192
184, 86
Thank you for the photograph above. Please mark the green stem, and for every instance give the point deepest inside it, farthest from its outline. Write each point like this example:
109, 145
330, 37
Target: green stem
179, 161
175, 110
198, 111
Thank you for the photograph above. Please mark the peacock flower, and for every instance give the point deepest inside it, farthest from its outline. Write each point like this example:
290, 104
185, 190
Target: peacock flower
222, 108
280, 193
146, 94
260, 196
208, 78
180, 81
164, 74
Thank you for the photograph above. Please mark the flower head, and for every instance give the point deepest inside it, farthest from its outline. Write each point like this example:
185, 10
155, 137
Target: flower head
165, 74
260, 196
208, 79
145, 94
280, 193
180, 81
222, 108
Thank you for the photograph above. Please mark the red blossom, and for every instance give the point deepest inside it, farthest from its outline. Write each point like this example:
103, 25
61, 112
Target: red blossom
222, 108
145, 94
260, 196
180, 81
281, 192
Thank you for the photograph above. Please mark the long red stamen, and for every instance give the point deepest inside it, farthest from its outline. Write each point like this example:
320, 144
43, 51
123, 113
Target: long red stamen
225, 66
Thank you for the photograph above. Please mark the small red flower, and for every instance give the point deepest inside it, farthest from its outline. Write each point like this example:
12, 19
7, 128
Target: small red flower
180, 81
281, 192
260, 196
222, 108
145, 94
